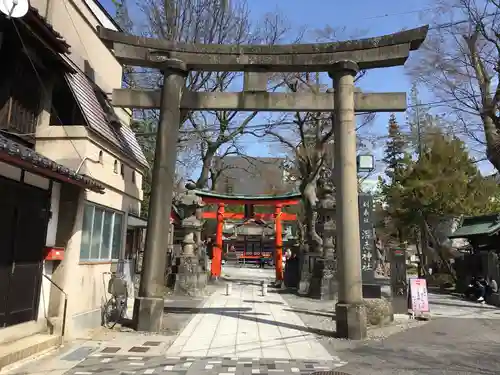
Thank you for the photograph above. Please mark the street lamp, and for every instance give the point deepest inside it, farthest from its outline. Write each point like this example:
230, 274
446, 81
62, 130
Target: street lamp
365, 163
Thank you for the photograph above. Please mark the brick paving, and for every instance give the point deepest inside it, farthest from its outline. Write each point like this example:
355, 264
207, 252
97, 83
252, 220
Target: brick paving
106, 364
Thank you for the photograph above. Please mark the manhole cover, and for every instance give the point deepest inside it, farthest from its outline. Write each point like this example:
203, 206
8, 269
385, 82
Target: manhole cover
331, 372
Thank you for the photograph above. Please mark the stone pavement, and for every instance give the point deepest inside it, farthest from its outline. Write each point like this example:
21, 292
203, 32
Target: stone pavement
462, 337
243, 333
247, 324
450, 306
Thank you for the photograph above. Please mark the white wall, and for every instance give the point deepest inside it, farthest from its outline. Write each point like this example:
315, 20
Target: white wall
54, 209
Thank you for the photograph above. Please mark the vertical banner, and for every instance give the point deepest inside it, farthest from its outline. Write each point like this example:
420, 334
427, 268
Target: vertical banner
366, 236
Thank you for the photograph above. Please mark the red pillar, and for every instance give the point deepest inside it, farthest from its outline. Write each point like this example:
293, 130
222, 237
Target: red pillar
278, 235
217, 250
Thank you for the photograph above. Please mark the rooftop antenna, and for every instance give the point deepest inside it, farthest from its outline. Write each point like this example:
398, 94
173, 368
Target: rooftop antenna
14, 8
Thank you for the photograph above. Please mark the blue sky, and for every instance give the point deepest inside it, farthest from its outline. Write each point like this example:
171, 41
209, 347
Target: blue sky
363, 18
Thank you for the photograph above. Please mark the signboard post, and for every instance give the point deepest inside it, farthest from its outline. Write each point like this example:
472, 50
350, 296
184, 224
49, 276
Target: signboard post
367, 244
418, 301
399, 284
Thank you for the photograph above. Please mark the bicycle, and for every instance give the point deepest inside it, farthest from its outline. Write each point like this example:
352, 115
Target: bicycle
115, 307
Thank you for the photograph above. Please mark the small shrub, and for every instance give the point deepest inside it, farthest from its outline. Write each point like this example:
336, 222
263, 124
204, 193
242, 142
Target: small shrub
442, 280
378, 311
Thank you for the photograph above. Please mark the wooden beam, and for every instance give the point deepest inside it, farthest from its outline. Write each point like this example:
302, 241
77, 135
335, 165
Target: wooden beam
261, 101
240, 216
257, 202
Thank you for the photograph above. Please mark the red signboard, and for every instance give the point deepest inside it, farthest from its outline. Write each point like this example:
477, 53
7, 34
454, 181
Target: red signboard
54, 253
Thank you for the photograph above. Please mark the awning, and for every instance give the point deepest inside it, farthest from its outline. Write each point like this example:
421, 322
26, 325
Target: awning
478, 226
101, 118
136, 222
30, 160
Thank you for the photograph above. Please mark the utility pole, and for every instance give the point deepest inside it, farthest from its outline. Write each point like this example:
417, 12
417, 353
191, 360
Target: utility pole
423, 226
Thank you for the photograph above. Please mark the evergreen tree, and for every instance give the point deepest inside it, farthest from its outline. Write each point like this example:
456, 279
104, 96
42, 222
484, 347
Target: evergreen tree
397, 160
396, 157
446, 181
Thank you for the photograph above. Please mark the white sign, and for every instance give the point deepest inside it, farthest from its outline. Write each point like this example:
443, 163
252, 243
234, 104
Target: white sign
418, 296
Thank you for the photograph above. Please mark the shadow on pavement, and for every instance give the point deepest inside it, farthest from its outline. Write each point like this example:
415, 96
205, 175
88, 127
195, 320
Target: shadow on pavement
315, 313
269, 302
246, 313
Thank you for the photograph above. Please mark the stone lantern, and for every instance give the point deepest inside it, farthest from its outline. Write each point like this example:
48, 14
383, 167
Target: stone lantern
323, 281
191, 276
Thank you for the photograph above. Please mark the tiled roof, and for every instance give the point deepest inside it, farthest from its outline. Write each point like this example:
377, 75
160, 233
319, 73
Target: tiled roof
478, 225
262, 197
46, 166
34, 18
101, 118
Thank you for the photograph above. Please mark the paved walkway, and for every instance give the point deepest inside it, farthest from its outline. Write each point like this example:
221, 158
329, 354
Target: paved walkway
243, 333
247, 324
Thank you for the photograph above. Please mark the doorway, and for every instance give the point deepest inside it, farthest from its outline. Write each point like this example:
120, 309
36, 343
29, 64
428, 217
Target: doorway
23, 230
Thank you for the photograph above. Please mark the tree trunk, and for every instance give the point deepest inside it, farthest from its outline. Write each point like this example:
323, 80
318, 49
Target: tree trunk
492, 142
310, 200
202, 181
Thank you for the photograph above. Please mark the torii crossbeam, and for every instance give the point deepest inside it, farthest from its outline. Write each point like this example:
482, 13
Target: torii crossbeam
342, 60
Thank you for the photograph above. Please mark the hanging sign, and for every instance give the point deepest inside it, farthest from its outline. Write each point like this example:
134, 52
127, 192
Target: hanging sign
418, 299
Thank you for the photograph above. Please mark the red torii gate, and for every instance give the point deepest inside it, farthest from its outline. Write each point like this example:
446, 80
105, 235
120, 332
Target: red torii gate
278, 201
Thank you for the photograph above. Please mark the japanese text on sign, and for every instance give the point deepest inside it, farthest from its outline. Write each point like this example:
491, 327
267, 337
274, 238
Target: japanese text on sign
418, 295
366, 232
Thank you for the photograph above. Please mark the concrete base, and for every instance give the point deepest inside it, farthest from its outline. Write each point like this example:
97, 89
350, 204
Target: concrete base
148, 314
351, 321
493, 299
372, 290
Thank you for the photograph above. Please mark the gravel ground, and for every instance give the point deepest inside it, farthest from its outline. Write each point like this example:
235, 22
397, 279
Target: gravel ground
441, 346
177, 313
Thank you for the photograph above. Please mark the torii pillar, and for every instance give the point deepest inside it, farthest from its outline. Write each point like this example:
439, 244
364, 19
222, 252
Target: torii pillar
278, 236
350, 310
149, 305
216, 267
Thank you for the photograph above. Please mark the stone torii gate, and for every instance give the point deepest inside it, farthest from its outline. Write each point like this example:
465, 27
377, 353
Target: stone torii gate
342, 60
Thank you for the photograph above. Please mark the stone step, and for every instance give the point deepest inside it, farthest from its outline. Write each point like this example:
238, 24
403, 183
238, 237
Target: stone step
27, 347
18, 331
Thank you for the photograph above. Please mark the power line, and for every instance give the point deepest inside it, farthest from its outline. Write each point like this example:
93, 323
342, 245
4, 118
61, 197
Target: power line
270, 125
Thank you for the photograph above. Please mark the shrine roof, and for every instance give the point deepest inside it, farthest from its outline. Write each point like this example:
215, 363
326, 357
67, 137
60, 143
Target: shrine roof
478, 226
213, 197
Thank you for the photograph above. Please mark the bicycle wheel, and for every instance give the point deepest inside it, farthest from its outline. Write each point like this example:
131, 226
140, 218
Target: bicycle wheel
122, 308
111, 313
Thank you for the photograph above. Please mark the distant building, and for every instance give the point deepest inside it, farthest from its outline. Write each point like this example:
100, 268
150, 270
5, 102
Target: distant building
252, 175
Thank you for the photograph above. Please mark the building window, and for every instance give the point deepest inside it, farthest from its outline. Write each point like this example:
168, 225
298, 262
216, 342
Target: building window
115, 166
133, 177
122, 169
101, 234
100, 157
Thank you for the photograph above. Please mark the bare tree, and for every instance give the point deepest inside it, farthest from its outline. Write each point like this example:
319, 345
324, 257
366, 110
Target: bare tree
205, 22
459, 63
308, 141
